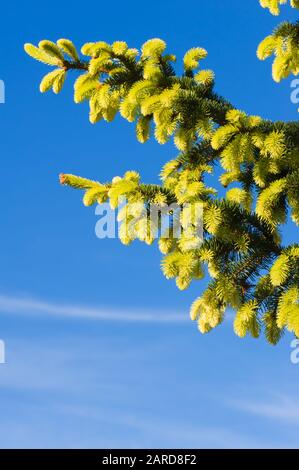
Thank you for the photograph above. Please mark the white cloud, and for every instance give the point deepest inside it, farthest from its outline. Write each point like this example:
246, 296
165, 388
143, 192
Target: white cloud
152, 431
279, 407
33, 306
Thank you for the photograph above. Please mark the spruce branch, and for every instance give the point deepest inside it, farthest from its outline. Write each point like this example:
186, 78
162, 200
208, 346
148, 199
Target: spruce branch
251, 270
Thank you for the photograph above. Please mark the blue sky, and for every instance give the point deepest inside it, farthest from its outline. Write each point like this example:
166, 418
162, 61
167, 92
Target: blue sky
100, 351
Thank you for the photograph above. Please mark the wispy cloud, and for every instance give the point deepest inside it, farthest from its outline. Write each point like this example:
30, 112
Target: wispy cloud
81, 391
32, 306
156, 432
279, 407
101, 397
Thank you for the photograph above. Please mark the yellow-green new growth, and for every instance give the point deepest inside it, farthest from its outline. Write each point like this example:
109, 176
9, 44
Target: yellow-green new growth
193, 56
273, 5
237, 238
282, 43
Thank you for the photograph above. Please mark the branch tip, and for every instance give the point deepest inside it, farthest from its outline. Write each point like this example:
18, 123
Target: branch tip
62, 178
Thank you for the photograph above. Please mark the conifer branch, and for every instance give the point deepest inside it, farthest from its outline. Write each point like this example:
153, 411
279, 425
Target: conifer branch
250, 269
